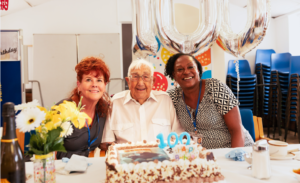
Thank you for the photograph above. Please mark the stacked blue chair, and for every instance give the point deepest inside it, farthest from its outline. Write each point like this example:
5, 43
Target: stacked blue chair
247, 83
263, 73
292, 105
280, 69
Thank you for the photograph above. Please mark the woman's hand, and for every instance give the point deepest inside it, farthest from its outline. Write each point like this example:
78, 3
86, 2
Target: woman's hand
235, 127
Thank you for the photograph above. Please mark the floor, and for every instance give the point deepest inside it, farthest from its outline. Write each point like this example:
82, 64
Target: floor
291, 137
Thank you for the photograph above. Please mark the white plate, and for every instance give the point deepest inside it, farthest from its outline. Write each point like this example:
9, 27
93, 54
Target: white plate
297, 176
286, 157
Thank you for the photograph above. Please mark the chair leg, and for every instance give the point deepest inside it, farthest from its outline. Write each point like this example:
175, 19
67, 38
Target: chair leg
287, 115
287, 122
92, 154
271, 113
102, 153
298, 130
279, 127
268, 128
274, 125
296, 127
274, 121
280, 114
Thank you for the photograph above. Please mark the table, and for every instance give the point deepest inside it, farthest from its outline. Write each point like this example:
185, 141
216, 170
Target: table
234, 171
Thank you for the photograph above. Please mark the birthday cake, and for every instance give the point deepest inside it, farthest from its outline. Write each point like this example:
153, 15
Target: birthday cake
155, 162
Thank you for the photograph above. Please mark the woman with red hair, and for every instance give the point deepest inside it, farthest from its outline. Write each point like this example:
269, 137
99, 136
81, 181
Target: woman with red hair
92, 76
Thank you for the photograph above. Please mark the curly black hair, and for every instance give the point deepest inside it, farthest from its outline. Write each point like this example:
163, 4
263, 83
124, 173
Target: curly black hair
169, 69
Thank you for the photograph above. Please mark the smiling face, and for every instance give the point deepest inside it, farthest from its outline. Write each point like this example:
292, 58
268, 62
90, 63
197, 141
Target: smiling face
186, 72
139, 89
91, 86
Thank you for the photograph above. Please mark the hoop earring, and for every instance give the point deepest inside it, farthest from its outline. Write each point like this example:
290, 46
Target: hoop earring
175, 84
78, 92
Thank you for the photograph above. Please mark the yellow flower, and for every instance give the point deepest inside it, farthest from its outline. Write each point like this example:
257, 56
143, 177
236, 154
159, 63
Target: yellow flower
66, 110
70, 111
45, 121
39, 129
42, 109
52, 125
79, 120
70, 105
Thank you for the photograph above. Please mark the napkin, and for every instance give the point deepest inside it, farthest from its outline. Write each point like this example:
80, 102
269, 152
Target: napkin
77, 163
73, 165
236, 155
66, 160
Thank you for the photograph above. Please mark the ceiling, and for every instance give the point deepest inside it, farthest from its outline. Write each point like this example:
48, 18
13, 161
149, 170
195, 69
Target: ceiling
278, 7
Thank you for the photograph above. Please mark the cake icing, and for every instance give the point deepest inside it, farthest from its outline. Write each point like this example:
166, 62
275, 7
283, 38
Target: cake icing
144, 162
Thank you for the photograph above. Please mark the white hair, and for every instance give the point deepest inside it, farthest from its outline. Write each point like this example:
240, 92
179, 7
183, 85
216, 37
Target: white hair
137, 64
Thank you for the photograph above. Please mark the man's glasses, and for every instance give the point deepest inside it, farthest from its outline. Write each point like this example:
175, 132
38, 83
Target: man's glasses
136, 77
182, 70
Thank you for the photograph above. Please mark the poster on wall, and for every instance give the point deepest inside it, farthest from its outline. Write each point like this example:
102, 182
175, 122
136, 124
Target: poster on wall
10, 69
9, 45
159, 61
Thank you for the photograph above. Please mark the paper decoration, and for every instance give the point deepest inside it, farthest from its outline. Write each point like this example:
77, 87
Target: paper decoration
204, 58
161, 83
159, 63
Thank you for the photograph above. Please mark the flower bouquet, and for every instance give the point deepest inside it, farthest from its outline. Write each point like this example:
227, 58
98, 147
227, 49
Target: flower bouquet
51, 126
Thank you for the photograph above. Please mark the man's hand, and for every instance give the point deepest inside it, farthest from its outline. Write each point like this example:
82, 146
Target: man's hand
104, 146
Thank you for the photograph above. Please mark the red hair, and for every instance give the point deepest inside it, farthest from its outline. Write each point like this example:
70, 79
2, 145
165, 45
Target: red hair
86, 66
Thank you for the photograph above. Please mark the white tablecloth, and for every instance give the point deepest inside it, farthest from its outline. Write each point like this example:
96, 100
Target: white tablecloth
234, 171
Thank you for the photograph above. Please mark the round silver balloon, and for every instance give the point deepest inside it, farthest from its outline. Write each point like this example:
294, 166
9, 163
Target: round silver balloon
258, 18
143, 36
197, 42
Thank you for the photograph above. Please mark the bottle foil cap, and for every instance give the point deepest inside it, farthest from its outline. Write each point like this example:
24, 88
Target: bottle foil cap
8, 109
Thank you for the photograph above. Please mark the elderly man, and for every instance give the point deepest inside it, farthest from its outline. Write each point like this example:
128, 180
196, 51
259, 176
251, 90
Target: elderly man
139, 113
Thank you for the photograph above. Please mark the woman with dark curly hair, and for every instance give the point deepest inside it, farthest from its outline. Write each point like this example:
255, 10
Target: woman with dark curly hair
205, 107
92, 76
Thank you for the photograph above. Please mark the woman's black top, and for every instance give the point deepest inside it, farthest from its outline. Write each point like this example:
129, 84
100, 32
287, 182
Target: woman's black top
77, 142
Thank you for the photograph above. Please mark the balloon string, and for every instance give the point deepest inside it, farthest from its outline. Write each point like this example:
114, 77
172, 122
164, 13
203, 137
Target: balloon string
238, 76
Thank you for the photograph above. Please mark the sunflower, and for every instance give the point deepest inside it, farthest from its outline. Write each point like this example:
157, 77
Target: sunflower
29, 119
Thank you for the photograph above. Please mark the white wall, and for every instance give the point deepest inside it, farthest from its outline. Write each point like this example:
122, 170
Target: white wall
65, 17
288, 33
294, 33
282, 34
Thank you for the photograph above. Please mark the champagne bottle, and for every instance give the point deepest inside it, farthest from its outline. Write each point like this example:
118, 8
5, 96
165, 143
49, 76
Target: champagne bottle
12, 159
